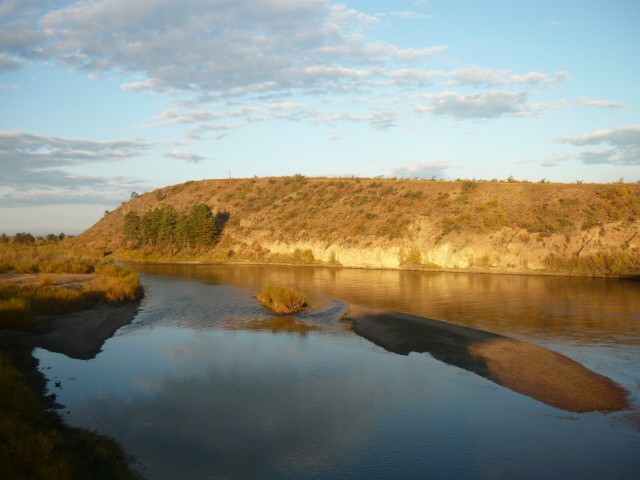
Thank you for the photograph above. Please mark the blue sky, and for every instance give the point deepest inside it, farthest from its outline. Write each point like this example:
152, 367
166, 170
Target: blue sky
100, 98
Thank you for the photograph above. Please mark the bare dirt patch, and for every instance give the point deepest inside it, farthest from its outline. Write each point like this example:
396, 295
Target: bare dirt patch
69, 280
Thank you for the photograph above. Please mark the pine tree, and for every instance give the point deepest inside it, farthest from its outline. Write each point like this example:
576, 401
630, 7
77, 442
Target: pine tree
132, 233
168, 224
203, 230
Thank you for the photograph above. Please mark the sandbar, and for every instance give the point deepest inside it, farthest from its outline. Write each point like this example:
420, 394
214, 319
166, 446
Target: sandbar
81, 334
520, 366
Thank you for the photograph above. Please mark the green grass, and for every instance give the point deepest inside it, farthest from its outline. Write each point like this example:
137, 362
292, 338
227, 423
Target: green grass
282, 300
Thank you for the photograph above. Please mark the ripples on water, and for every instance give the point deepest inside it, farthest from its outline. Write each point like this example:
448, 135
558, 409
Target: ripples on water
206, 384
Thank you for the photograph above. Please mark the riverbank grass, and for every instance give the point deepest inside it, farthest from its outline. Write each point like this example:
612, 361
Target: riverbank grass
282, 300
21, 303
35, 444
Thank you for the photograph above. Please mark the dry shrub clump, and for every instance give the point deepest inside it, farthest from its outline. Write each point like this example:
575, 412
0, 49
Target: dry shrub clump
116, 284
282, 300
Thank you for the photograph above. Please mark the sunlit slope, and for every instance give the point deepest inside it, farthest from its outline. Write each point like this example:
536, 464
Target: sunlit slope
490, 226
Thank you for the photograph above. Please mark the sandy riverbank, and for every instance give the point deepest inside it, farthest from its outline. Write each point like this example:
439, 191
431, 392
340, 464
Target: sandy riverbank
81, 334
78, 334
520, 366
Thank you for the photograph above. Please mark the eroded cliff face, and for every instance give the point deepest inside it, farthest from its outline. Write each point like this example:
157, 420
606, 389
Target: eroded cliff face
507, 250
373, 223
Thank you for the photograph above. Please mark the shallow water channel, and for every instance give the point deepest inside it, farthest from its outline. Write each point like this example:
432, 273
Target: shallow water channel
205, 383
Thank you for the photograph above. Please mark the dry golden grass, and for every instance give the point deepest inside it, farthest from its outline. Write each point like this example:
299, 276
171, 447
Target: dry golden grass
282, 300
43, 259
620, 264
20, 303
355, 209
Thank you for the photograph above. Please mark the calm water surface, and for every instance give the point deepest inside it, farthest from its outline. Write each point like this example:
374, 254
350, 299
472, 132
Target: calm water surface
206, 384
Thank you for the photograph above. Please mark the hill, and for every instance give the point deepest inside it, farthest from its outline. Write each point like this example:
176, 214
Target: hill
518, 227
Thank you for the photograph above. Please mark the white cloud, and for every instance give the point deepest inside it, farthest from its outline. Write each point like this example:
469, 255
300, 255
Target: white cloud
539, 78
601, 103
261, 54
623, 146
421, 170
185, 155
218, 46
619, 137
477, 75
477, 105
143, 85
410, 15
34, 167
9, 63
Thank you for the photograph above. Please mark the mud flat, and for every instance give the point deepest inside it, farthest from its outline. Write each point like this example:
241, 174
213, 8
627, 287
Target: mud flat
81, 334
525, 368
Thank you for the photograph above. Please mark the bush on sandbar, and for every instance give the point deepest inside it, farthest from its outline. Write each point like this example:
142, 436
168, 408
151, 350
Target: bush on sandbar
282, 300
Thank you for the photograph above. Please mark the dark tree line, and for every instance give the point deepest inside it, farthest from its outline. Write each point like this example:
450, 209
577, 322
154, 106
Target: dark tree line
167, 230
25, 238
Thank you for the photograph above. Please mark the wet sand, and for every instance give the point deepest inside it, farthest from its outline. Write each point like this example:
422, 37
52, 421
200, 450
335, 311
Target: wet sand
81, 334
525, 368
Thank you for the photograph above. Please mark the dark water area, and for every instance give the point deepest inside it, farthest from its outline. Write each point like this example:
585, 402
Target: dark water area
205, 383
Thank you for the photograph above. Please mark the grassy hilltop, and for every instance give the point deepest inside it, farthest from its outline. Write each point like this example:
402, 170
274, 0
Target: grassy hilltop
508, 226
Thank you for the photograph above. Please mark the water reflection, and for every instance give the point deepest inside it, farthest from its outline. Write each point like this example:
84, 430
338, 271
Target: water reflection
257, 406
272, 324
582, 310
191, 397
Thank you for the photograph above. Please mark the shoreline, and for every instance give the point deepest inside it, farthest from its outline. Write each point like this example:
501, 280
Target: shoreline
522, 367
81, 335
474, 271
77, 452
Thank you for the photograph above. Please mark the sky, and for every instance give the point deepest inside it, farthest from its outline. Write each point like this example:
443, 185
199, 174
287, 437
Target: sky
102, 98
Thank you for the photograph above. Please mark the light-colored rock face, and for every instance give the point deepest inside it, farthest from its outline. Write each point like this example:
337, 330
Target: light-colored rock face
506, 250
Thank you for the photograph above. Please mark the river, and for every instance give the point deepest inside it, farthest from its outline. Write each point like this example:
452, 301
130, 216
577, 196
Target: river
204, 383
